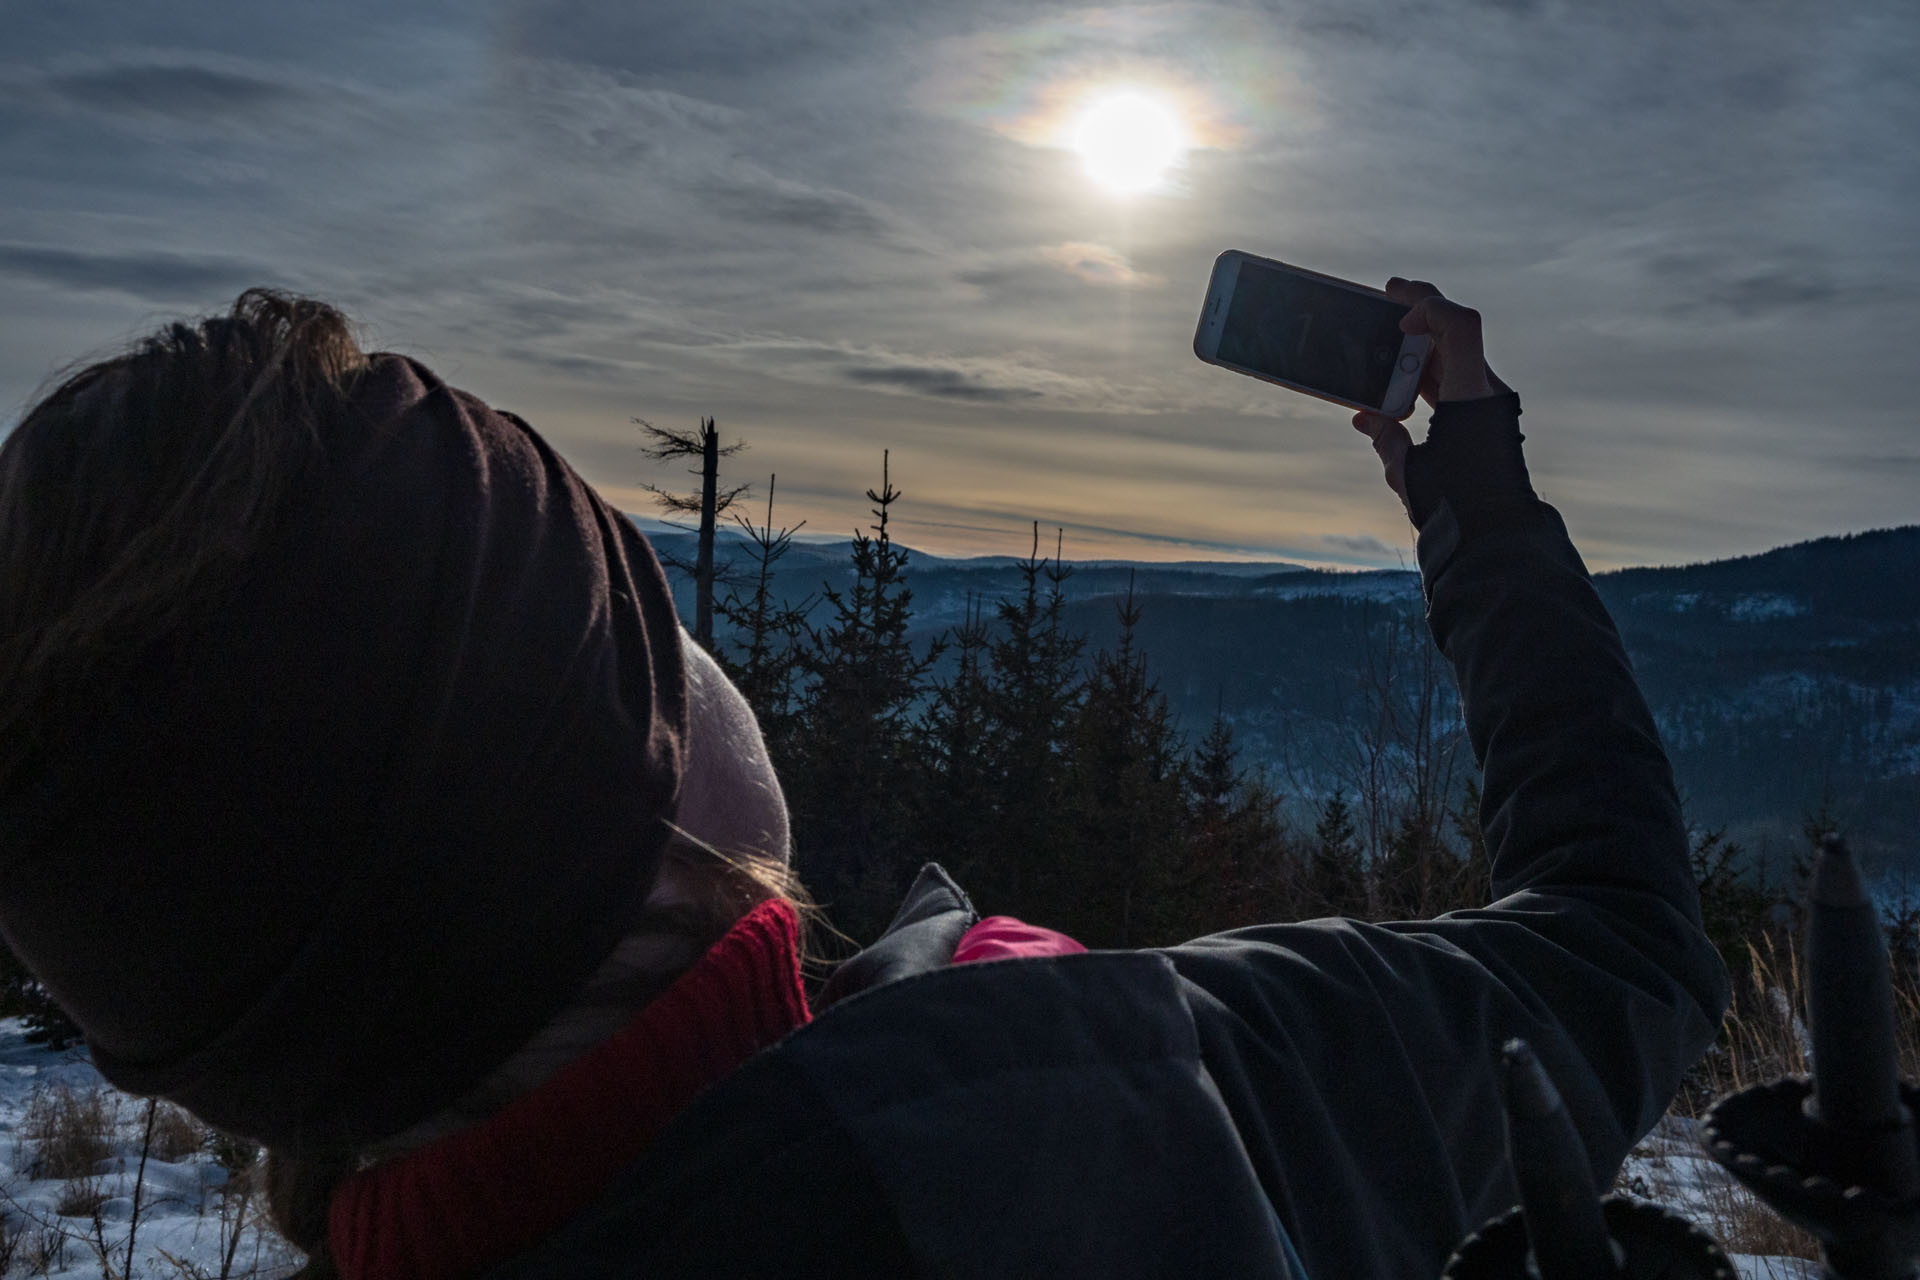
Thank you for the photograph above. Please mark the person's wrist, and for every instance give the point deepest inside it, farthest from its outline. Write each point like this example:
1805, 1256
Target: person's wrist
1465, 387
1471, 458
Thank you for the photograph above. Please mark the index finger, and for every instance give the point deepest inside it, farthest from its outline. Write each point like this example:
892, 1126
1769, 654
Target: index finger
1410, 293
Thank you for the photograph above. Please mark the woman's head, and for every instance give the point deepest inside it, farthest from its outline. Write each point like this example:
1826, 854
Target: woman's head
132, 493
344, 725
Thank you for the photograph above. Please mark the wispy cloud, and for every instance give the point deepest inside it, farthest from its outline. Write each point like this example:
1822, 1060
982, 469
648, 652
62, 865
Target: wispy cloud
1096, 264
754, 195
1363, 545
153, 276
943, 381
169, 89
847, 226
1722, 287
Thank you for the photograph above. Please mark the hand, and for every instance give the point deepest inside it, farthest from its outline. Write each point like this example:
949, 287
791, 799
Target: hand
1457, 370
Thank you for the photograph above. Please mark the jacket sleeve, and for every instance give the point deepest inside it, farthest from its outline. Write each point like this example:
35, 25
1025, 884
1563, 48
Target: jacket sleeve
1359, 1059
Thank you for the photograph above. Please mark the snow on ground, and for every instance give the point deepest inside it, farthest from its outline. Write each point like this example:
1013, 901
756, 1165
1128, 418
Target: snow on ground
196, 1220
1392, 586
1670, 1167
1765, 606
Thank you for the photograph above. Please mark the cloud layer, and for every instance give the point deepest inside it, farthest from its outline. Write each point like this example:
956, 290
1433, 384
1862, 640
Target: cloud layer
845, 226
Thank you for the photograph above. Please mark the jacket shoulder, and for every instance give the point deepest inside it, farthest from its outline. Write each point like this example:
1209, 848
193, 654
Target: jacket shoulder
1005, 1118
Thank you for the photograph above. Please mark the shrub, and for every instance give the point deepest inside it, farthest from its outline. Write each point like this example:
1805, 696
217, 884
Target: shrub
12, 1237
71, 1130
176, 1134
81, 1198
234, 1154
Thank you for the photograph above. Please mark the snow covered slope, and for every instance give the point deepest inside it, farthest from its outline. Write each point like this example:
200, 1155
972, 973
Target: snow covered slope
77, 1202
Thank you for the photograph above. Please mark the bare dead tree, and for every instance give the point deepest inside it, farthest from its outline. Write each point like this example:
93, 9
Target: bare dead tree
662, 443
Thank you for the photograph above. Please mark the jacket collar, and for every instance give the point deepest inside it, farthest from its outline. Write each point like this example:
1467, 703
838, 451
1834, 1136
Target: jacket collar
477, 1197
923, 936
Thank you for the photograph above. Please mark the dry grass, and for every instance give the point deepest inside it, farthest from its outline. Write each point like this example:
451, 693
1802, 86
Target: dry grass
1766, 1037
45, 1251
70, 1130
176, 1134
81, 1198
1766, 1033
1744, 1225
1678, 1174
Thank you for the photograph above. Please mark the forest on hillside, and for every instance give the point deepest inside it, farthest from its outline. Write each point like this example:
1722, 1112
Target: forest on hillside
1051, 779
1029, 747
1306, 757
1785, 684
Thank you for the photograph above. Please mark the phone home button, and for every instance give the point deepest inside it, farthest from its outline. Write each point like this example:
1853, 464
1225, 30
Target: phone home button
1408, 363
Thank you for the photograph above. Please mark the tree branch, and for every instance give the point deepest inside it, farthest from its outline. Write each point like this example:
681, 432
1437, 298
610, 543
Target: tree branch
673, 501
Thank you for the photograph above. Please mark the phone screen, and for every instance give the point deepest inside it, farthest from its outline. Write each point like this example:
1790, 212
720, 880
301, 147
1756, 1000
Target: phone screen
1318, 335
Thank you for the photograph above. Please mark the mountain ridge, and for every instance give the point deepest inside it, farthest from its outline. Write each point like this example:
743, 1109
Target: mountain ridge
1783, 681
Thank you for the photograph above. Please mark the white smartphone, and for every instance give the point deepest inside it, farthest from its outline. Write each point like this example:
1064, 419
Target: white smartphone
1315, 333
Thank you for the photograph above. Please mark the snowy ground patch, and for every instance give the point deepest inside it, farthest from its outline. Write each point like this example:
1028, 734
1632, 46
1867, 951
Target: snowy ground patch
76, 1202
1670, 1167
1764, 606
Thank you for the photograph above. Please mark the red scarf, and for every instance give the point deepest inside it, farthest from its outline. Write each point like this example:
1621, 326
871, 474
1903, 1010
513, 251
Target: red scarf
480, 1196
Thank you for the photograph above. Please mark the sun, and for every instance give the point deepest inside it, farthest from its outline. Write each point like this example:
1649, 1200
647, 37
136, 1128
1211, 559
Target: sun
1127, 139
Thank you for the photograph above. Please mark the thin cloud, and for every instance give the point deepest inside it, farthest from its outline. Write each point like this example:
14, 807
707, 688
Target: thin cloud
1096, 264
958, 379
1712, 289
844, 225
160, 277
189, 92
1361, 544
935, 380
757, 196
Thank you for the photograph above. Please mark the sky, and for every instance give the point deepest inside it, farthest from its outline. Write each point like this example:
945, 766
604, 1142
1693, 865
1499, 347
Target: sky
845, 226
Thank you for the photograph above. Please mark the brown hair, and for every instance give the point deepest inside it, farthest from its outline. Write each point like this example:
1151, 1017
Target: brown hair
130, 494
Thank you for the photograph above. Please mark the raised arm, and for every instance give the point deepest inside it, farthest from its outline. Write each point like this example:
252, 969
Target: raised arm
1577, 791
1363, 1054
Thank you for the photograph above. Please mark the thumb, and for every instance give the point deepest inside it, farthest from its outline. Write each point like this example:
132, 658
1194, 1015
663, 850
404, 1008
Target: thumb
1458, 344
1390, 443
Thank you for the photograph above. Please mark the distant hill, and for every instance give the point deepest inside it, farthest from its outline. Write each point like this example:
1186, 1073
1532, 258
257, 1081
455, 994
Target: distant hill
1778, 679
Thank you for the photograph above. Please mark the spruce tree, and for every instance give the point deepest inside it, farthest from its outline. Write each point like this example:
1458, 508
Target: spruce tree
1115, 882
1034, 689
958, 787
767, 630
851, 794
1237, 867
1336, 876
1476, 866
1736, 907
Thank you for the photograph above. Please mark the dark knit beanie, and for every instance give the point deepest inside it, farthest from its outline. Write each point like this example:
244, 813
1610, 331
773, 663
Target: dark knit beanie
345, 845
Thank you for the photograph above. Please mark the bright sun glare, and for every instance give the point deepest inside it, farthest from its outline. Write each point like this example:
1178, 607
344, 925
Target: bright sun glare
1127, 139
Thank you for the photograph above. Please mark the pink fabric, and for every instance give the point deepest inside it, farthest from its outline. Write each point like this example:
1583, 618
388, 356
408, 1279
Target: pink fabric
1004, 938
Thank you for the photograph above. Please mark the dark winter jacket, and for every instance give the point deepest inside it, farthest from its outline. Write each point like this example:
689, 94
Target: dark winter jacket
1203, 1110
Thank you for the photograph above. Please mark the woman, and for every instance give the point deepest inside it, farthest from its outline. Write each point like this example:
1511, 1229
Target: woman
361, 793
